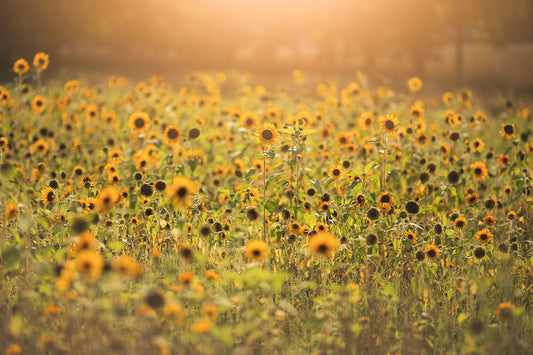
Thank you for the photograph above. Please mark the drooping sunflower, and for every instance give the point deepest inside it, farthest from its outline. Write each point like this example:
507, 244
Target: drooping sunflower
415, 84
21, 66
38, 104
106, 199
267, 134
256, 250
505, 311
11, 211
172, 135
484, 236
48, 196
139, 122
507, 131
388, 124
323, 244
41, 61
179, 192
480, 170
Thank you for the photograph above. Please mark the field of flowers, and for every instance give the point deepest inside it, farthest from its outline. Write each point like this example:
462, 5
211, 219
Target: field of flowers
218, 216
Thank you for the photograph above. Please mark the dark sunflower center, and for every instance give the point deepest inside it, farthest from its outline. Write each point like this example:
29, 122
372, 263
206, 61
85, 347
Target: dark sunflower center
107, 201
343, 140
368, 121
86, 266
322, 248
483, 236
182, 192
267, 134
249, 122
39, 103
50, 196
477, 171
21, 67
508, 129
139, 122
172, 133
41, 61
256, 252
385, 198
92, 113
336, 172
460, 224
416, 113
422, 139
389, 125
431, 253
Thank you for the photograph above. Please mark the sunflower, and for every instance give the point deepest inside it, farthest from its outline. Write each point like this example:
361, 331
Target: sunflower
48, 196
505, 311
343, 139
484, 236
41, 61
411, 235
507, 131
385, 198
172, 135
295, 228
323, 243
11, 211
414, 84
139, 122
38, 104
90, 263
106, 199
335, 172
267, 134
489, 220
472, 198
388, 124
127, 267
366, 120
480, 170
416, 111
21, 66
202, 326
180, 191
256, 250
447, 98
478, 145
503, 160
421, 139
459, 223
249, 120
431, 251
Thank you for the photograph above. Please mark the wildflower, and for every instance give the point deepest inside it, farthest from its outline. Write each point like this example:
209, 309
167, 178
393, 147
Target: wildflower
13, 349
41, 61
211, 274
186, 277
366, 120
139, 122
414, 84
298, 76
459, 223
343, 139
127, 267
256, 250
249, 120
210, 310
504, 311
180, 191
489, 220
172, 135
335, 172
478, 145
106, 199
11, 211
416, 111
173, 311
411, 235
480, 170
267, 134
484, 236
431, 251
90, 263
48, 196
38, 104
388, 124
503, 160
507, 131
447, 98
323, 243
472, 198
21, 66
202, 326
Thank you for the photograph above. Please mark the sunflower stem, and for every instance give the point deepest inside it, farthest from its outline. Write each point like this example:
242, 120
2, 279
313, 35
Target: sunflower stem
264, 195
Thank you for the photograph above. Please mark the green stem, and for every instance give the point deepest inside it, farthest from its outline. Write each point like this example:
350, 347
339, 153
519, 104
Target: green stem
264, 195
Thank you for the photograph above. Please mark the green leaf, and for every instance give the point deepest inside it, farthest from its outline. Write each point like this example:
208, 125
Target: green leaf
271, 153
307, 132
271, 206
10, 256
317, 185
249, 174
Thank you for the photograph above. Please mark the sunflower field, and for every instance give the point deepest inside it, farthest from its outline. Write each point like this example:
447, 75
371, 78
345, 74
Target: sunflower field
219, 215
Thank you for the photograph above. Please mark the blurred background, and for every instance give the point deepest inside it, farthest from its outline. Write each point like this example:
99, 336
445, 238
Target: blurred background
450, 42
